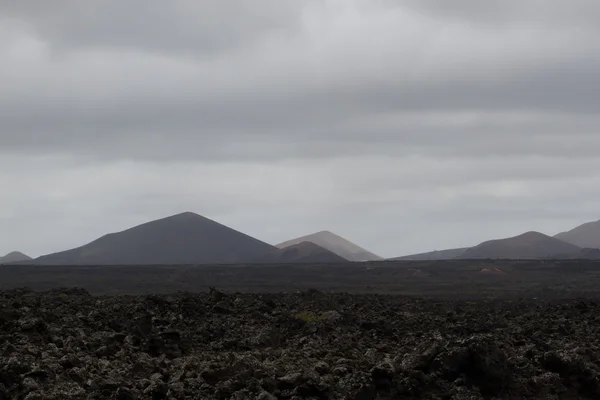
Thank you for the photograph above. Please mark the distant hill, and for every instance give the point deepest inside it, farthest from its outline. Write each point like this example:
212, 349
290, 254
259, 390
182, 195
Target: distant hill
433, 255
14, 257
530, 245
336, 244
305, 252
185, 238
586, 235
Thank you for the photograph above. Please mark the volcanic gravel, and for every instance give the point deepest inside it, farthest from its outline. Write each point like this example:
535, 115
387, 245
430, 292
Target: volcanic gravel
66, 344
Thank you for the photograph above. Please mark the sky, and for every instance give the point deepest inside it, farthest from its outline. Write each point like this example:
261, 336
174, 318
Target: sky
402, 125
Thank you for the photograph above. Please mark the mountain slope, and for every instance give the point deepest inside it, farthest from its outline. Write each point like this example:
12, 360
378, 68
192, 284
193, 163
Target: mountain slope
14, 257
185, 238
304, 252
336, 244
530, 245
583, 254
586, 235
433, 255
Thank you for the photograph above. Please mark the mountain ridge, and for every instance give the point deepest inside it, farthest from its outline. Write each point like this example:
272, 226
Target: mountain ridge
189, 238
586, 235
528, 245
434, 255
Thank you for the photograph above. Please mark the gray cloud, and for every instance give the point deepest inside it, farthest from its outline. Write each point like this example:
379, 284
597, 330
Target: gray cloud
498, 12
404, 125
195, 28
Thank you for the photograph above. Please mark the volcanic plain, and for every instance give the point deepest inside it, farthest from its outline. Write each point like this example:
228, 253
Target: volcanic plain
381, 330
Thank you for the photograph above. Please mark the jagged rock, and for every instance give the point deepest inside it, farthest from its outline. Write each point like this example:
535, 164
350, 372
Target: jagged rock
421, 359
266, 396
291, 379
66, 344
331, 317
322, 367
125, 394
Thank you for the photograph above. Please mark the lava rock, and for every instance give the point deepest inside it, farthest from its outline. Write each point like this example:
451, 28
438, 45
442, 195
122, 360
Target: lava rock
69, 345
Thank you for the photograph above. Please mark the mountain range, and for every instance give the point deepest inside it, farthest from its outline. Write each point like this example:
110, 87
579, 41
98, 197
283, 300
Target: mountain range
582, 242
184, 239
189, 238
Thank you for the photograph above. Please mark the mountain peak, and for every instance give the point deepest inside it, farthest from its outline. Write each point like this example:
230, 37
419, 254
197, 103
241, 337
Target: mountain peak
532, 233
186, 215
326, 233
15, 253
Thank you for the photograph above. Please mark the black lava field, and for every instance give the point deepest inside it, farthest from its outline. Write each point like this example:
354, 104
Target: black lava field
67, 344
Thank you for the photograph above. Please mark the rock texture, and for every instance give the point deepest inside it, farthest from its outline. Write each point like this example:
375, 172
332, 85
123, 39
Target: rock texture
66, 344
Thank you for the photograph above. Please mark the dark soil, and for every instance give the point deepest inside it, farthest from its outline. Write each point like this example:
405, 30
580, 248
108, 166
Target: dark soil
450, 280
66, 344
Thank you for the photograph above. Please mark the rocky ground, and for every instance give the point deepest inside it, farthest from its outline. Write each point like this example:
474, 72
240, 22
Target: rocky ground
66, 344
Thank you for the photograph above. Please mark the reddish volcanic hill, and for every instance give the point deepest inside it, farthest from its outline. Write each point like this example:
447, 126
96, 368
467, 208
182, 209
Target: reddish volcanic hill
304, 252
337, 244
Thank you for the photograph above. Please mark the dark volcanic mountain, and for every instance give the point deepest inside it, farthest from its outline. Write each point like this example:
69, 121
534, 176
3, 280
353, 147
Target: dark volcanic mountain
337, 244
14, 257
586, 235
305, 252
530, 245
185, 238
433, 255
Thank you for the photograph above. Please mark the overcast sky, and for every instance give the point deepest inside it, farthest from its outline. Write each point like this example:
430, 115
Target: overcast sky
404, 126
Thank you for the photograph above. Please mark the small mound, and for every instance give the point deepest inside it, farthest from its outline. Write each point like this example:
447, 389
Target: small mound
492, 271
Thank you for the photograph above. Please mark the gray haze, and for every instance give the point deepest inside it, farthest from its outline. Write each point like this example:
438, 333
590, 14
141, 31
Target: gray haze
407, 126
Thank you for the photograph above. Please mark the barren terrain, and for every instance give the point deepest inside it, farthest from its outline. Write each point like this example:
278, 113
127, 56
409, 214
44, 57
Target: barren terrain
452, 331
458, 279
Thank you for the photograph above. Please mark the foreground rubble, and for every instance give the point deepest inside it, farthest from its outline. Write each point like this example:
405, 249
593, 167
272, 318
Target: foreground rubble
66, 344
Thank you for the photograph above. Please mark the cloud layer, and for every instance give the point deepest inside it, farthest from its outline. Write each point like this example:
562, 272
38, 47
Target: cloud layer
404, 126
